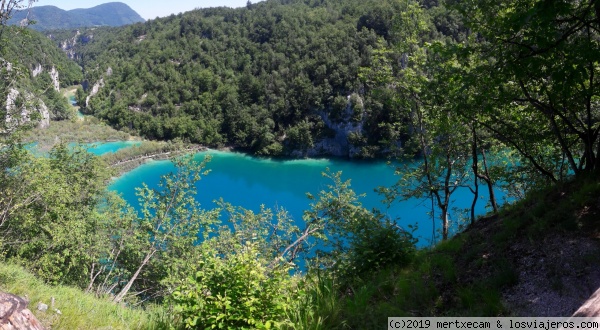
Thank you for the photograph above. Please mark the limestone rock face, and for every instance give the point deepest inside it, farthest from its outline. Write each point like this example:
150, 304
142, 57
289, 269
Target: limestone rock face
94, 91
55, 80
340, 144
20, 108
68, 46
14, 314
37, 70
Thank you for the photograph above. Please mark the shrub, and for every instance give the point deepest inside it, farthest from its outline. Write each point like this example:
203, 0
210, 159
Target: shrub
379, 245
240, 290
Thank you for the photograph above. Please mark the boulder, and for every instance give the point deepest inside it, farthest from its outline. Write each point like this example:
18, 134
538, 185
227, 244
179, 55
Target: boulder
590, 308
14, 314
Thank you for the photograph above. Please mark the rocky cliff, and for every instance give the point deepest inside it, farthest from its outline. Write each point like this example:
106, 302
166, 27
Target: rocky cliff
340, 143
23, 108
69, 45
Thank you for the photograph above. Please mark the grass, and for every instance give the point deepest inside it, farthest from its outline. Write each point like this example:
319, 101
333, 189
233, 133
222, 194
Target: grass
467, 275
77, 309
319, 307
86, 131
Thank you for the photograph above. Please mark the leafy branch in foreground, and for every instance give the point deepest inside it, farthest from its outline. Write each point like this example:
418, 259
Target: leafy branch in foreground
171, 221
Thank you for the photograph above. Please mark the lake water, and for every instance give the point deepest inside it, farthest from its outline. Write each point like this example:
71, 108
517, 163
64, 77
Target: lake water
250, 182
97, 148
101, 148
74, 103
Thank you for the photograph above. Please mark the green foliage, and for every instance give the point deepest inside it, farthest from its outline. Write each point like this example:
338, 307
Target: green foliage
265, 79
78, 310
30, 49
51, 222
80, 95
377, 246
159, 241
240, 290
275, 78
23, 53
544, 80
318, 305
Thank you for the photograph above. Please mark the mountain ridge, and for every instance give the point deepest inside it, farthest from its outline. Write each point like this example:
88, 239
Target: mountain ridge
52, 17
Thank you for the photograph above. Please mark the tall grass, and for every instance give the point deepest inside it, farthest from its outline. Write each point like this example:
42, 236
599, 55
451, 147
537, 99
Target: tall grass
74, 309
319, 306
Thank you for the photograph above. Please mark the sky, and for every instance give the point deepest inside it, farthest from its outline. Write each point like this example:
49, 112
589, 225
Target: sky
148, 9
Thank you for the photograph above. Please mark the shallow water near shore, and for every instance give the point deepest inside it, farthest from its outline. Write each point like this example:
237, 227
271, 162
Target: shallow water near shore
101, 148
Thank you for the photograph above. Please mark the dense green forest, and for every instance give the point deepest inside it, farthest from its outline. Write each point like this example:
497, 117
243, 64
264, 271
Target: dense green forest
448, 85
274, 78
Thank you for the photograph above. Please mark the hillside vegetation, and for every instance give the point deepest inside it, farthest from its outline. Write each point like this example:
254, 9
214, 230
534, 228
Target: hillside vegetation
478, 95
539, 257
274, 78
35, 69
53, 18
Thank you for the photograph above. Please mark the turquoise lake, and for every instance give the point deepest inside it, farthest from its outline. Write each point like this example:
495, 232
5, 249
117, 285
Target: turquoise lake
101, 148
97, 148
250, 182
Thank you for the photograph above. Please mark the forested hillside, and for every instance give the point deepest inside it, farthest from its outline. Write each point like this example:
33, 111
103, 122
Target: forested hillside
51, 17
35, 69
470, 95
274, 78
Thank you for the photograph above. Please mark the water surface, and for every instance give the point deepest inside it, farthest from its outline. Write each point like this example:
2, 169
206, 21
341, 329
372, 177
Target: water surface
101, 148
251, 182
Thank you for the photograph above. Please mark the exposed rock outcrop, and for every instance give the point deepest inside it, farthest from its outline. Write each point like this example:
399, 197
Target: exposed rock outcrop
68, 45
20, 109
55, 80
14, 314
37, 70
591, 308
94, 91
53, 75
340, 144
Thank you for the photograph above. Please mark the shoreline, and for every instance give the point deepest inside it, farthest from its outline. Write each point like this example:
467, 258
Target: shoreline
126, 165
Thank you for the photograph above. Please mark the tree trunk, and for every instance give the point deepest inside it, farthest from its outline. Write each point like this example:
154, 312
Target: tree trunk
445, 223
475, 172
123, 292
489, 182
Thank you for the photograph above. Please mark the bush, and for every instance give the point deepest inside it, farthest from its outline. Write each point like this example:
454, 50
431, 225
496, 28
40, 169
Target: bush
380, 245
240, 291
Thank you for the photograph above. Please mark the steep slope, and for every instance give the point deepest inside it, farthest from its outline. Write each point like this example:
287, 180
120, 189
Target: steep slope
33, 78
538, 257
274, 78
51, 17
